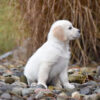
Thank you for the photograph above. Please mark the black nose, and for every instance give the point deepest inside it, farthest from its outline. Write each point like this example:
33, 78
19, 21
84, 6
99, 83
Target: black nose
79, 31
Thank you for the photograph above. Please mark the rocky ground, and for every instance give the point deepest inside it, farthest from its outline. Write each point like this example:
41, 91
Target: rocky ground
13, 85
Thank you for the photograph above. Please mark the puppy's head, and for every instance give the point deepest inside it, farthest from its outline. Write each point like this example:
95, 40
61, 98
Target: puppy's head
63, 30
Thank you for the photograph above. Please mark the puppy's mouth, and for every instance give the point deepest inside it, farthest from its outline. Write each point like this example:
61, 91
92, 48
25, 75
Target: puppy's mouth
78, 35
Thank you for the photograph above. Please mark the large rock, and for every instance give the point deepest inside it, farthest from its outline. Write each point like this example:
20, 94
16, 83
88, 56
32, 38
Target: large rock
27, 91
9, 80
17, 90
19, 84
6, 96
77, 78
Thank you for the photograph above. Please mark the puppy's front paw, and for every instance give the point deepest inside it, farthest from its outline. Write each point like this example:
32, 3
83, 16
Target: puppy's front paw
40, 85
69, 86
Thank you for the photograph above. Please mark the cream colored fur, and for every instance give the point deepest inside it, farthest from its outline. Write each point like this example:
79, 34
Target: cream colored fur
51, 60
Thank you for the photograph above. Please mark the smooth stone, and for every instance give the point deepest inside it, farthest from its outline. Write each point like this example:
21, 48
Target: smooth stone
17, 90
56, 91
6, 87
63, 96
90, 83
92, 97
6, 96
19, 84
85, 91
9, 80
16, 98
43, 92
1, 92
76, 78
30, 98
39, 95
16, 78
98, 71
27, 91
23, 79
2, 70
73, 70
76, 95
97, 90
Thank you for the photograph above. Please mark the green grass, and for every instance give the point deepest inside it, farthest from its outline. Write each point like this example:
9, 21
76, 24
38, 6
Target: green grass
9, 26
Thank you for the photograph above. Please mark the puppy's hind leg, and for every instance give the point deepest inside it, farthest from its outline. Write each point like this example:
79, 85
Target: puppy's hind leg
43, 74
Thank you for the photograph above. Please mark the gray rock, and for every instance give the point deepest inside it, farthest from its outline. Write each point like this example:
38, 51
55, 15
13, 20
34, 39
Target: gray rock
19, 84
27, 91
63, 96
2, 70
85, 91
92, 97
6, 96
17, 90
97, 91
6, 87
56, 91
16, 98
98, 71
39, 95
90, 83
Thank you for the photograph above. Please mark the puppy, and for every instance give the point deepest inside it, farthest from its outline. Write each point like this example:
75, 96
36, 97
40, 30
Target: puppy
51, 60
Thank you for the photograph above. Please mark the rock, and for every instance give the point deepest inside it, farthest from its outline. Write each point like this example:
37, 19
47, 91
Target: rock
77, 78
73, 70
16, 78
1, 92
98, 71
6, 87
19, 84
97, 91
85, 91
17, 90
93, 84
43, 93
39, 95
76, 95
16, 98
92, 97
23, 79
56, 91
6, 96
9, 80
63, 96
27, 91
2, 70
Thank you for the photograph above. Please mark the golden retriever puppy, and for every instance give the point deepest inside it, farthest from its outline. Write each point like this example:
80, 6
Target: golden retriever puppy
51, 60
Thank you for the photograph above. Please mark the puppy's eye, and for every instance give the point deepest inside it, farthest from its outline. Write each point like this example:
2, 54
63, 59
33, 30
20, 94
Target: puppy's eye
70, 28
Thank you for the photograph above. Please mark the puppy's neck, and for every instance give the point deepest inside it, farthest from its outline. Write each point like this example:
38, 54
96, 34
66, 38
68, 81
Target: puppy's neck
57, 42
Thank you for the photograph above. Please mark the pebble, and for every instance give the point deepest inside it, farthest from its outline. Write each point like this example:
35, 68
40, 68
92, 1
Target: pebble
17, 90
85, 91
27, 91
6, 87
98, 71
16, 98
6, 96
9, 80
19, 84
97, 91
76, 95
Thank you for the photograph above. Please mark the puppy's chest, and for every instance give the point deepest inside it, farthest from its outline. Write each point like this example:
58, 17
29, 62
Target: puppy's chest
59, 66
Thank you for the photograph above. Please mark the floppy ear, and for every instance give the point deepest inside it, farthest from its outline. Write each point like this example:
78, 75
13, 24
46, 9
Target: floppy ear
58, 32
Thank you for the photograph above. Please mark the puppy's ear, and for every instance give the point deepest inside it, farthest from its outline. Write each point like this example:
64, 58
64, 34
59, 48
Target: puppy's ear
58, 32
